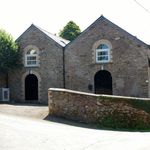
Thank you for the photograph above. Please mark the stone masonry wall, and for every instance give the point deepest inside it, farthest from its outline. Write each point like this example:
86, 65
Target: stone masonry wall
91, 108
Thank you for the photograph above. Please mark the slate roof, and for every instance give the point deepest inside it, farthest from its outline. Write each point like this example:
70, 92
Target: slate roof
62, 42
57, 39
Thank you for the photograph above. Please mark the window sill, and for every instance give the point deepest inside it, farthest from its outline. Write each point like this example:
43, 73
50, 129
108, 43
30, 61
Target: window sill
37, 66
101, 63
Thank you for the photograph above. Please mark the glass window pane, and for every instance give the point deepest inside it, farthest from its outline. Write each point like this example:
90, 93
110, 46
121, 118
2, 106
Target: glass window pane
31, 62
28, 62
104, 58
99, 58
32, 51
103, 53
31, 57
99, 53
102, 46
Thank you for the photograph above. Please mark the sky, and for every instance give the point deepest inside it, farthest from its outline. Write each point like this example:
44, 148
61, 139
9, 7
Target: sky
52, 15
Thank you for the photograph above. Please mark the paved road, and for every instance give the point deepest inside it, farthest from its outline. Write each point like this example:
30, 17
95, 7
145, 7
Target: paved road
19, 133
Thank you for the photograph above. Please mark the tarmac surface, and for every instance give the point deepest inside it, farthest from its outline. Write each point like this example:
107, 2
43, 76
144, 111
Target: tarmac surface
24, 133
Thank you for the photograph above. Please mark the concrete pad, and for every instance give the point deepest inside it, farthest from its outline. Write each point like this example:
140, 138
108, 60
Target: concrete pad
20, 133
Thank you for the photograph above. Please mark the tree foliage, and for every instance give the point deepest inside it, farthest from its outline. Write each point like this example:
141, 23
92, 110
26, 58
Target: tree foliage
9, 52
70, 31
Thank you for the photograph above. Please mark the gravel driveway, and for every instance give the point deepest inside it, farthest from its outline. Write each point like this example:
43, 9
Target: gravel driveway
25, 110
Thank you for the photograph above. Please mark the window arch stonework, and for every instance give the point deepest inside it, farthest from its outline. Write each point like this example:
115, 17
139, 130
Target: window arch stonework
97, 44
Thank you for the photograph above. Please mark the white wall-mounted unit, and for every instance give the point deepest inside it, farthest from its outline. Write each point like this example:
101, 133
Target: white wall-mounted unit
4, 94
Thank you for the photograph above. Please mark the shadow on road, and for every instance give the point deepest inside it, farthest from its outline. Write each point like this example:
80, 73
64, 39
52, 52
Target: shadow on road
69, 122
89, 126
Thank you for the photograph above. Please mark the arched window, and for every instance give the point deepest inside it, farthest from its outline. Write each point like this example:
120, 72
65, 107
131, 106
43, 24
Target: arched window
31, 58
102, 53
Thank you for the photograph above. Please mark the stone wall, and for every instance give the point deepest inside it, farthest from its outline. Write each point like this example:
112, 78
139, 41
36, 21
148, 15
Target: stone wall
91, 108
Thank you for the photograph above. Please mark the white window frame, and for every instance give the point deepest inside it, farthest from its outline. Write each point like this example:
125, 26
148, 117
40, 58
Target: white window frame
103, 50
31, 55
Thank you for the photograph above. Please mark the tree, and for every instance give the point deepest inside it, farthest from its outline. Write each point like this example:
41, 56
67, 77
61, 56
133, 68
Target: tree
70, 31
9, 54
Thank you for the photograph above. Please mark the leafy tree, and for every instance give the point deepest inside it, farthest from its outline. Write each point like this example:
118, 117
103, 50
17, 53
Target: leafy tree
70, 31
9, 54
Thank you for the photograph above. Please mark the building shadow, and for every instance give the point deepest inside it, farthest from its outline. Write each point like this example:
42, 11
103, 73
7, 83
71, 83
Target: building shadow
24, 103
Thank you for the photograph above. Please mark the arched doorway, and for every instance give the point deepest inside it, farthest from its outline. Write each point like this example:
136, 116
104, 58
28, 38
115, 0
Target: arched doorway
103, 82
31, 87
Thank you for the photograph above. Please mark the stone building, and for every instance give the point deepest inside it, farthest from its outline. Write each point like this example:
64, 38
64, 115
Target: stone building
103, 59
42, 59
107, 59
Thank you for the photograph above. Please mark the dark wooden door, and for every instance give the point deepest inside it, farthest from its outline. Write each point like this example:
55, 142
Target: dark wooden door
103, 82
31, 87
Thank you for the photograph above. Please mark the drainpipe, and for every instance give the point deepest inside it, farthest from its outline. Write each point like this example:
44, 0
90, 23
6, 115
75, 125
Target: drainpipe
64, 82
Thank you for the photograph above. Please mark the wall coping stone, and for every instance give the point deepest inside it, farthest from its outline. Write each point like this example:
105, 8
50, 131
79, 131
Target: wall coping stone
97, 95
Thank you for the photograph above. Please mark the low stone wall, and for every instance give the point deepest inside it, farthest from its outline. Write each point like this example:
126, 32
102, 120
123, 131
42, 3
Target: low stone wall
102, 109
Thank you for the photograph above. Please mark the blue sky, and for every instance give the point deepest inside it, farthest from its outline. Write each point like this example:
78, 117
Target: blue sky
17, 15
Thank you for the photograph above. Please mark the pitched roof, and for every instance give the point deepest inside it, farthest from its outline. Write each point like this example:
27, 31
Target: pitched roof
57, 39
62, 42
102, 18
